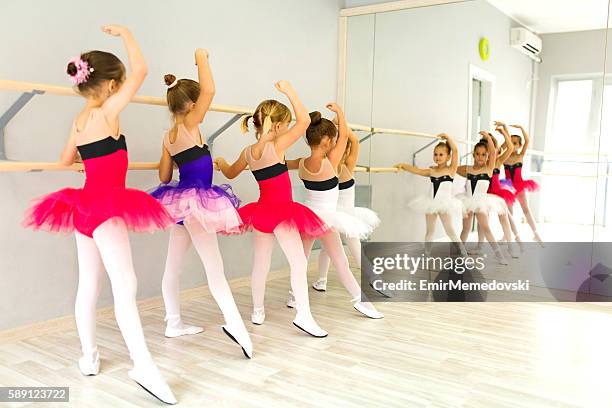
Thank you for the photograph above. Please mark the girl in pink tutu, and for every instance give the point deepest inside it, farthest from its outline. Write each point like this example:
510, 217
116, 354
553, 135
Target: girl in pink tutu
275, 214
318, 172
513, 167
440, 203
201, 208
101, 213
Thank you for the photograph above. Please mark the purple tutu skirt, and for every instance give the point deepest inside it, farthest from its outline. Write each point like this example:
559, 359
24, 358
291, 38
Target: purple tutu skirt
213, 206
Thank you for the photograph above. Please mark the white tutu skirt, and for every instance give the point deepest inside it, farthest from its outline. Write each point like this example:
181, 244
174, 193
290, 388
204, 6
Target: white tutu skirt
342, 222
346, 203
483, 203
438, 205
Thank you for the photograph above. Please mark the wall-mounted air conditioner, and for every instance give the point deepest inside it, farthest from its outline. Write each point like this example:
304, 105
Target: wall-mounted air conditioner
526, 42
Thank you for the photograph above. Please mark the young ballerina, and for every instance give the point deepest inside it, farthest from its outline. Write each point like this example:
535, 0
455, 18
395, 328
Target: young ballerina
346, 203
202, 209
476, 200
275, 214
503, 191
513, 167
101, 212
440, 203
318, 172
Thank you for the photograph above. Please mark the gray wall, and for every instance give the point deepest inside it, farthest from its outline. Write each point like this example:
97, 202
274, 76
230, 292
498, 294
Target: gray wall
252, 44
421, 71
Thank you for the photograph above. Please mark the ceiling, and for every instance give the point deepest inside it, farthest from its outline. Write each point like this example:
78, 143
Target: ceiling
556, 16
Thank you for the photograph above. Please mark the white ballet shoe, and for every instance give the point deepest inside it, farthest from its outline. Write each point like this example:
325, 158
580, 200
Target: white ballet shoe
367, 309
305, 322
511, 250
320, 285
500, 257
517, 239
475, 251
258, 316
536, 238
90, 365
150, 379
186, 330
291, 300
240, 336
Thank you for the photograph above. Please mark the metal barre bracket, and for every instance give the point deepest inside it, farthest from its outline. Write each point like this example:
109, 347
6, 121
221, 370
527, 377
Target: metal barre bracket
10, 113
211, 139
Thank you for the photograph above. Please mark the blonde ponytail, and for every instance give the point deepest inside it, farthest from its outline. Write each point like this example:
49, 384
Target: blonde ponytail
244, 126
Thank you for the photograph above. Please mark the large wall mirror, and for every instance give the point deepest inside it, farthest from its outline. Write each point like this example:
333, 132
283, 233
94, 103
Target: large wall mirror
456, 67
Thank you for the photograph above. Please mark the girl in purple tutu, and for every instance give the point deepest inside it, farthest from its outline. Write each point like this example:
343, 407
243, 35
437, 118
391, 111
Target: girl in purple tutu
200, 208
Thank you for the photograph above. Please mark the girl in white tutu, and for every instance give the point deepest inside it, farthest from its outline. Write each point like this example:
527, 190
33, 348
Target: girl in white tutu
440, 203
318, 172
346, 203
476, 200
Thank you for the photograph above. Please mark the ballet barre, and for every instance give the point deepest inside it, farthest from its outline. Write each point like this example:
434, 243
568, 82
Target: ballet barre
50, 166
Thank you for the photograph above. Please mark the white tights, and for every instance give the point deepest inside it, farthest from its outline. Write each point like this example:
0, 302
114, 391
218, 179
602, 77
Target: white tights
207, 247
333, 247
109, 248
354, 246
291, 243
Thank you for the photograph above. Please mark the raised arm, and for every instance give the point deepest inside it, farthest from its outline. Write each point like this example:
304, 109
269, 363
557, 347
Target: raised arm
492, 151
351, 160
138, 71
413, 169
335, 155
232, 171
302, 119
207, 90
454, 152
165, 166
525, 137
507, 145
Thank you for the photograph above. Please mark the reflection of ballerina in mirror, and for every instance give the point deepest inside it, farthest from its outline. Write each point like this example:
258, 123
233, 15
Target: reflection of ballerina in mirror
504, 191
476, 200
320, 177
346, 203
513, 167
441, 203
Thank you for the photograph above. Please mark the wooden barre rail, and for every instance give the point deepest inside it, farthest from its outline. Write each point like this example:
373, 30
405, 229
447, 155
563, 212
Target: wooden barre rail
154, 100
33, 166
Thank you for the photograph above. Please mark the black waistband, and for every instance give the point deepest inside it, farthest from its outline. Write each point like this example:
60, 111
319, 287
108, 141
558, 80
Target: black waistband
346, 184
436, 181
102, 147
321, 185
512, 168
191, 154
475, 177
269, 172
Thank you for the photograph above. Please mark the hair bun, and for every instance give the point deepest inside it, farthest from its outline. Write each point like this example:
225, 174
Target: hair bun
169, 79
71, 69
315, 118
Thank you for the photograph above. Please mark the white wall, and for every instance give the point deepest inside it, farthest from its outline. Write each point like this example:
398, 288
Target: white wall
252, 44
421, 82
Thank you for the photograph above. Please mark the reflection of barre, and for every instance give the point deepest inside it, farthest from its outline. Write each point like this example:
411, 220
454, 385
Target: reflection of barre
364, 169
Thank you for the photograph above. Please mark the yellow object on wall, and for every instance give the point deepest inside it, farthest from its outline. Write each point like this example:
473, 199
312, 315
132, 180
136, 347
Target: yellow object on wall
484, 49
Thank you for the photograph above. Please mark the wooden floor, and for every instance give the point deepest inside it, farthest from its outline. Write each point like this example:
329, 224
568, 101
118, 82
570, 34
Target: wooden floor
420, 355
